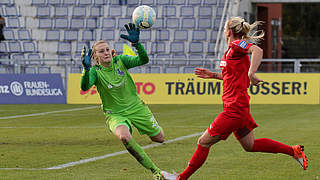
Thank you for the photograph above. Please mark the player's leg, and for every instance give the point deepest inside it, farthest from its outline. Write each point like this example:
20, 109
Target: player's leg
159, 137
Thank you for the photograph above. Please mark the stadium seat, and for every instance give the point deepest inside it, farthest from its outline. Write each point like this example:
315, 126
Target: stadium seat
153, 69
211, 47
163, 2
172, 23
14, 47
53, 35
159, 24
172, 69
129, 10
168, 11
11, 11
158, 47
79, 46
204, 23
188, 23
132, 2
210, 2
45, 23
214, 34
92, 23
195, 47
4, 56
38, 2
115, 11
88, 35
9, 34
66, 57
180, 35
24, 34
64, 47
61, 23
69, 2
60, 11
199, 35
177, 47
17, 56
162, 35
107, 35
29, 47
216, 24
3, 47
33, 56
145, 35
44, 70
188, 69
205, 11
3, 70
77, 23
187, 11
99, 2
76, 69
162, 58
178, 2
13, 22
70, 35
193, 2
43, 11
30, 70
179, 59
78, 11
54, 2
195, 56
137, 69
96, 11
147, 2
108, 23
85, 2
219, 11
123, 21
195, 62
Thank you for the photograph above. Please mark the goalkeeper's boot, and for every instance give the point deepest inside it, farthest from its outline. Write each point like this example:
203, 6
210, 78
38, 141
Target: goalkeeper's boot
300, 156
158, 176
169, 176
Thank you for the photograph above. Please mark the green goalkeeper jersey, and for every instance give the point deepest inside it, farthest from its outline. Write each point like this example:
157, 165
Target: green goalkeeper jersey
116, 88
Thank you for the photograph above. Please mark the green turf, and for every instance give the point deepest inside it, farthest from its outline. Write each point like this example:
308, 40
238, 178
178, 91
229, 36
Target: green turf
44, 141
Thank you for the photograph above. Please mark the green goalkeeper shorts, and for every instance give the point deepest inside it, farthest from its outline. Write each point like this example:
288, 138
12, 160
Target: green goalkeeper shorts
142, 119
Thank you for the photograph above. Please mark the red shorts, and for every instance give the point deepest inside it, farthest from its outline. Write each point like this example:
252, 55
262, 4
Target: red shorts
231, 119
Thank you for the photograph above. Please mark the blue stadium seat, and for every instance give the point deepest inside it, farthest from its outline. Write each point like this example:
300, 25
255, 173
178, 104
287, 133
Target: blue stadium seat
17, 56
78, 11
210, 2
85, 2
162, 35
162, 56
145, 35
92, 23
54, 2
129, 10
195, 62
211, 47
79, 46
135, 70
158, 47
28, 47
178, 2
163, 2
177, 47
205, 11
9, 34
77, 23
44, 70
3, 47
88, 35
60, 11
61, 23
168, 11
13, 22
195, 47
70, 35
66, 57
219, 11
96, 11
217, 23
64, 47
188, 23
11, 11
107, 35
99, 2
180, 59
147, 2
33, 56
24, 34
199, 35
43, 11
172, 23
133, 2
153, 69
172, 69
159, 24
108, 23
195, 56
38, 2
14, 47
45, 23
76, 69
188, 69
204, 23
180, 35
69, 2
214, 34
193, 2
53, 35
30, 70
115, 11
118, 46
187, 11
123, 21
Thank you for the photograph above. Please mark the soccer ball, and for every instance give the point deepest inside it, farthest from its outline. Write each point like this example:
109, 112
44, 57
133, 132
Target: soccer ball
144, 17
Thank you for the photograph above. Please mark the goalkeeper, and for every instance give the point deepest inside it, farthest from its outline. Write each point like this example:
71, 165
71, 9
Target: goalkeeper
120, 101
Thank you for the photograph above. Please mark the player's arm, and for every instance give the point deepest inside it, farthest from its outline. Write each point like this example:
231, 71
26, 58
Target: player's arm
256, 57
89, 77
207, 74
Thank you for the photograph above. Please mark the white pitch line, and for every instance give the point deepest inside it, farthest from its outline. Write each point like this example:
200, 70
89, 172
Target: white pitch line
45, 113
62, 166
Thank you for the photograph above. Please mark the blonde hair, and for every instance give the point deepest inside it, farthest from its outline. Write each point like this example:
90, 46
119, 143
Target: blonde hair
243, 30
95, 45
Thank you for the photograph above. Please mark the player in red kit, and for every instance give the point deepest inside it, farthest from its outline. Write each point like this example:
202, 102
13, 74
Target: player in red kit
237, 73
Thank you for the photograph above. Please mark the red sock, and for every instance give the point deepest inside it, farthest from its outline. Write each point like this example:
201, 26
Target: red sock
271, 146
198, 158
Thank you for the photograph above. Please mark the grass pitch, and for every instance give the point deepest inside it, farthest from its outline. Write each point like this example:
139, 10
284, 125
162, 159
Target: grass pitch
29, 144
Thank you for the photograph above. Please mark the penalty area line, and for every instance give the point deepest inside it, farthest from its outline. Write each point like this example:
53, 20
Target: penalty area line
83, 161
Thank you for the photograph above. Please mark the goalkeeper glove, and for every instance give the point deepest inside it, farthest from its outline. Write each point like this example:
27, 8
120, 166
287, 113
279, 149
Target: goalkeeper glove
86, 58
133, 32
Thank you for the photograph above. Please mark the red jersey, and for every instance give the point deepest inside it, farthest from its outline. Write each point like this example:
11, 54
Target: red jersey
235, 66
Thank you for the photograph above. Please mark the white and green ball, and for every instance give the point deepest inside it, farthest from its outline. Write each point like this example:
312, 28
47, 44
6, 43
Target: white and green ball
144, 17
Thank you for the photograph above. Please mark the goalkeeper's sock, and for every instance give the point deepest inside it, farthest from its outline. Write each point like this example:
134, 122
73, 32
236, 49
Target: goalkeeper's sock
136, 151
271, 146
198, 158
